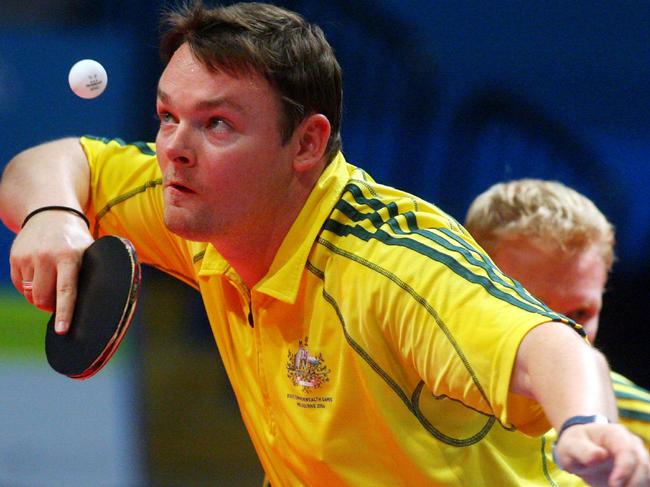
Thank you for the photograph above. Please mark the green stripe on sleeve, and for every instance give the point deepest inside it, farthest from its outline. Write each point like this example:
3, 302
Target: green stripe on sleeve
632, 395
466, 250
524, 301
634, 415
445, 259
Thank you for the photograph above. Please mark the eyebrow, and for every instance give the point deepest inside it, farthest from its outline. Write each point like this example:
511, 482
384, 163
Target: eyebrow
208, 104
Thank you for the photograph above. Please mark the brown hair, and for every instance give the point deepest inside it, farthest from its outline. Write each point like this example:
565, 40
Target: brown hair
290, 53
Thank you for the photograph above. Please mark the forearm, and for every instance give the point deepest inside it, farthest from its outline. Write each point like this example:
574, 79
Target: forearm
559, 370
54, 173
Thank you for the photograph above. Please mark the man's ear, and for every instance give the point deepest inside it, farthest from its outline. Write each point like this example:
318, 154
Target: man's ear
312, 134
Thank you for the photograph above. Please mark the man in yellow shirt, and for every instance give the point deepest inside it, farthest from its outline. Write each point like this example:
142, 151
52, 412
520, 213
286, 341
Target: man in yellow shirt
558, 245
367, 340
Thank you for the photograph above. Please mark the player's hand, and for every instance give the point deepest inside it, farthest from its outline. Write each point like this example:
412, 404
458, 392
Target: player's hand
605, 455
45, 259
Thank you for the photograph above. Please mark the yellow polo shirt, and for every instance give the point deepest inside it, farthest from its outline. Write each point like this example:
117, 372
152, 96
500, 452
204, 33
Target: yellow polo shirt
378, 348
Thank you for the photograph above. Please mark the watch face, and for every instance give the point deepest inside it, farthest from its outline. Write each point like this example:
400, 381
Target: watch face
601, 419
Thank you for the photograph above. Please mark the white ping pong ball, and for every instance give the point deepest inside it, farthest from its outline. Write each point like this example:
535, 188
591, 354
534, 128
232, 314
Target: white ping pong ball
87, 78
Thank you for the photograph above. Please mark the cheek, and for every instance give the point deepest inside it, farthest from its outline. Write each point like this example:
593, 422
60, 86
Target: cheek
159, 138
160, 150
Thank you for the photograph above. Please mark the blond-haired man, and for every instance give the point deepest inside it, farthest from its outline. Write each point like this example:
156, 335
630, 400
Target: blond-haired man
560, 247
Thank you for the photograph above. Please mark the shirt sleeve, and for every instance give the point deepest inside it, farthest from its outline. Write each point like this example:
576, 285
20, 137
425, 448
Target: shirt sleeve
464, 325
633, 404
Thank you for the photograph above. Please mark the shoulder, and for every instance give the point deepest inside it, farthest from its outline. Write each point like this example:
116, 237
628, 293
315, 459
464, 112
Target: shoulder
104, 147
371, 213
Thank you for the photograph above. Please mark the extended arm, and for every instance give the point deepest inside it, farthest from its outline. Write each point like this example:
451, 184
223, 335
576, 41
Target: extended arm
48, 250
568, 378
54, 173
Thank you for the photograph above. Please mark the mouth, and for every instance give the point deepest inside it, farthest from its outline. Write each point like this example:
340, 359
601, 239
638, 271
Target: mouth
177, 186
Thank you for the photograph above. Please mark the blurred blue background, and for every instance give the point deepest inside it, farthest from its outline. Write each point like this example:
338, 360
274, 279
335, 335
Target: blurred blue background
442, 98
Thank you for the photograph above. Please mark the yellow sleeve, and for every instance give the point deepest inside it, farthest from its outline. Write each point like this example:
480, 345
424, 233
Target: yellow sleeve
633, 404
452, 319
126, 200
476, 318
475, 338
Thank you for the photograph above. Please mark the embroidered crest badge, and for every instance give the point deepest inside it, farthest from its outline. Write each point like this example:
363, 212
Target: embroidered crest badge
306, 370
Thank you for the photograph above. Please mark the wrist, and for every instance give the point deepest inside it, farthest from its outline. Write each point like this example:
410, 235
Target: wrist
574, 421
56, 208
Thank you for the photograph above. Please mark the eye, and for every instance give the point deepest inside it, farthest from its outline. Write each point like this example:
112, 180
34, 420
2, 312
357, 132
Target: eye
218, 124
165, 117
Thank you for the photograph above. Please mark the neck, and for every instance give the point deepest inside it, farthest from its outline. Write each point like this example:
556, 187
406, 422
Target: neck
251, 254
250, 248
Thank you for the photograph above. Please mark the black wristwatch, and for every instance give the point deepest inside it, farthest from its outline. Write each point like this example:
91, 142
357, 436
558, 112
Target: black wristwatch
573, 421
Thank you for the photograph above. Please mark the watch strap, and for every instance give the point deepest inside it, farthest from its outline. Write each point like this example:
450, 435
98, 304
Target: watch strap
573, 421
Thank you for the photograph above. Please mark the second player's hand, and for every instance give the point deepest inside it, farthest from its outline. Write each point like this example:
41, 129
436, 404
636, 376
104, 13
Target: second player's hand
605, 455
45, 259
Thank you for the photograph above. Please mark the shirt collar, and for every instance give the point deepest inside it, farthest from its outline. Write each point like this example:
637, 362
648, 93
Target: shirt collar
283, 279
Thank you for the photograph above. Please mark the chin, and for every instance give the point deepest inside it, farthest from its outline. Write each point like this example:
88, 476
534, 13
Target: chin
185, 227
179, 226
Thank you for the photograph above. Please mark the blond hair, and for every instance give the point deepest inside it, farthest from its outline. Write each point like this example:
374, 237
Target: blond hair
547, 211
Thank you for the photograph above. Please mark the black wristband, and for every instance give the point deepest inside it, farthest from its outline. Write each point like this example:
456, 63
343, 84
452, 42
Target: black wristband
62, 208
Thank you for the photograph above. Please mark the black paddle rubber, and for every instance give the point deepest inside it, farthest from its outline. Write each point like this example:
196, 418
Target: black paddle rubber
107, 294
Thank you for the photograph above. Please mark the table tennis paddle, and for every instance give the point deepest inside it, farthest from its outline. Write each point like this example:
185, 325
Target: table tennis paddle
107, 295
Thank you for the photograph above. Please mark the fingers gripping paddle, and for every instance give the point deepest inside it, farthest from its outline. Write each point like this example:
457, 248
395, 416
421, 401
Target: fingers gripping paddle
107, 294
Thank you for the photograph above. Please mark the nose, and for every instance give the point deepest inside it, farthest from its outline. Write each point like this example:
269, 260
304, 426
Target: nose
177, 145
